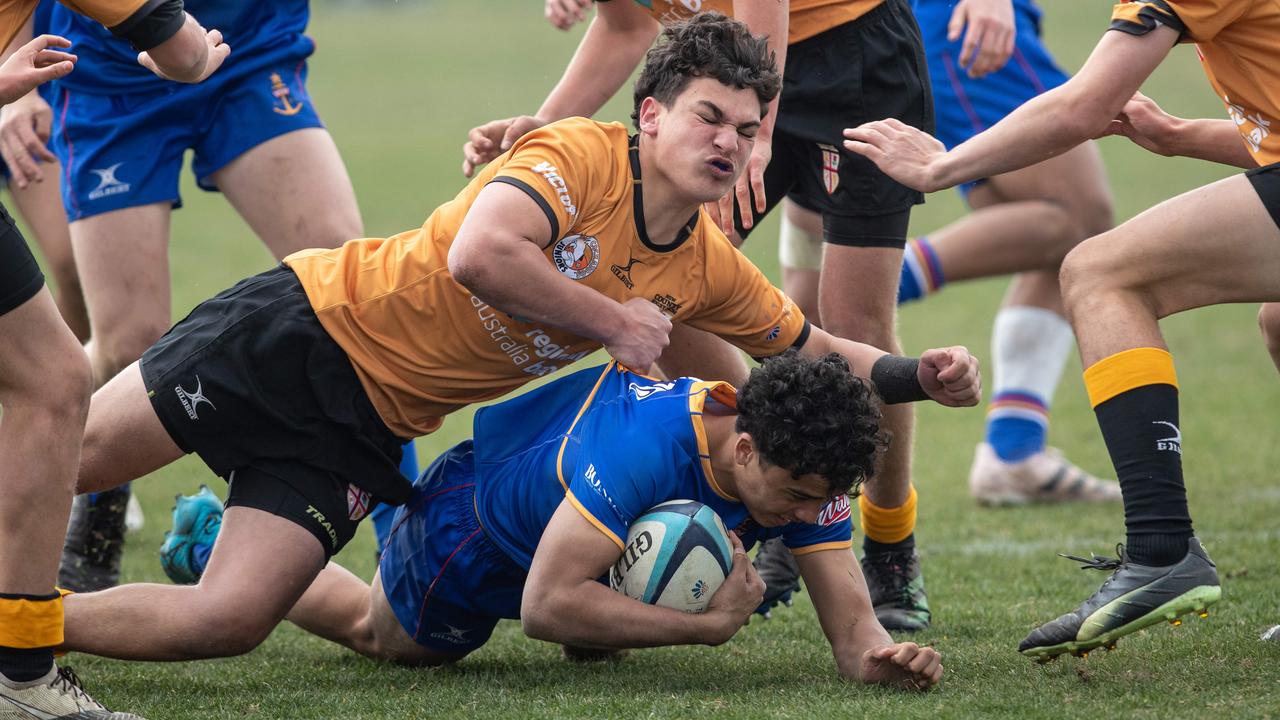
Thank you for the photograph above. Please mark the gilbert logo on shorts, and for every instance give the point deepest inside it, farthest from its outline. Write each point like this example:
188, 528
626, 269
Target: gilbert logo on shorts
576, 256
191, 399
457, 636
108, 184
830, 167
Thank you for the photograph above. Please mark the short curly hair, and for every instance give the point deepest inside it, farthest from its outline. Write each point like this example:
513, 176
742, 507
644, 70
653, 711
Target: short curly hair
813, 416
707, 45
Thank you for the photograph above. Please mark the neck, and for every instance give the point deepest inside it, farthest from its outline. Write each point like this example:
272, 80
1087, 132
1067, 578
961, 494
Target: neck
721, 438
665, 210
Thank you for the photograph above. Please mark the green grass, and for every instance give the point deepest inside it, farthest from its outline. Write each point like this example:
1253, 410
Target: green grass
399, 85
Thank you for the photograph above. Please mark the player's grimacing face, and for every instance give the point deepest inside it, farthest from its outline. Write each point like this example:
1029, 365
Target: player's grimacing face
706, 135
774, 497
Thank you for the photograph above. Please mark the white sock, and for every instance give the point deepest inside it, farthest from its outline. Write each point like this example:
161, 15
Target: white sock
1029, 348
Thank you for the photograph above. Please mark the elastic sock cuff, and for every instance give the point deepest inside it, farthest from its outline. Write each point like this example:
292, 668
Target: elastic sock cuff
29, 621
1126, 370
888, 525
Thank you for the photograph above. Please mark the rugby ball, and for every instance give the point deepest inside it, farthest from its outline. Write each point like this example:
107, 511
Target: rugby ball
677, 555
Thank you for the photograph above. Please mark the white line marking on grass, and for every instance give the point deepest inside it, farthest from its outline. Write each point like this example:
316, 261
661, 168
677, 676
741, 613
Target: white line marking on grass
1076, 544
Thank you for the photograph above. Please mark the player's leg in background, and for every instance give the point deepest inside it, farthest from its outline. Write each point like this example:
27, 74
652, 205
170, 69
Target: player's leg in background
1116, 288
123, 259
1269, 323
342, 608
294, 192
40, 205
44, 390
800, 256
1031, 339
261, 565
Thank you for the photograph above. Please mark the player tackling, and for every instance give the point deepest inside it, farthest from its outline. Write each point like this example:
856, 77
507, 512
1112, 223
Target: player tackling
299, 385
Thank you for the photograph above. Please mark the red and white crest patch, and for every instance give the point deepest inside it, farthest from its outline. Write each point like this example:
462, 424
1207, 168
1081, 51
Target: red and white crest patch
830, 167
358, 502
835, 511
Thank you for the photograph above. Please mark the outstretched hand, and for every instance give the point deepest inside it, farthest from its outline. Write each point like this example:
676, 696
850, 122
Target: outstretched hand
950, 376
34, 64
989, 32
905, 665
488, 141
904, 153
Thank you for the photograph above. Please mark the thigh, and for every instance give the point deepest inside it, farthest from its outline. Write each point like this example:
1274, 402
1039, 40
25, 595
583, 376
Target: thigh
267, 151
1178, 256
123, 437
123, 261
1075, 180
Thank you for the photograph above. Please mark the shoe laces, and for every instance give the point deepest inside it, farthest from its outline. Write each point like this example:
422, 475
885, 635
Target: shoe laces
1100, 562
69, 682
889, 571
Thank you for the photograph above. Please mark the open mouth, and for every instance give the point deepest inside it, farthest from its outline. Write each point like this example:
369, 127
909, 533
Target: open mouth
724, 167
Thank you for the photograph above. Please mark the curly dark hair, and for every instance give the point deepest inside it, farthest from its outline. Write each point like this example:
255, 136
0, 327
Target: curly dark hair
707, 45
813, 416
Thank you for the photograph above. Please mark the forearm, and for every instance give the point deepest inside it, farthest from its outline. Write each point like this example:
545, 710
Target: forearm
771, 19
1215, 140
861, 356
589, 614
609, 53
183, 56
1043, 127
538, 292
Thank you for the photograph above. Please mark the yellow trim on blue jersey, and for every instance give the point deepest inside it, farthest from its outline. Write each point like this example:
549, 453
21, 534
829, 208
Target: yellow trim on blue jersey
592, 519
845, 545
698, 393
567, 433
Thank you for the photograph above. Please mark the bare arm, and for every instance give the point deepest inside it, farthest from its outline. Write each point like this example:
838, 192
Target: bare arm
191, 55
1217, 140
770, 19
506, 229
864, 652
564, 603
1043, 127
949, 376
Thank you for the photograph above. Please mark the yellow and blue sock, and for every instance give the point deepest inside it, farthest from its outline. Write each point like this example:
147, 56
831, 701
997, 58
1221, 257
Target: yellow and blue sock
1134, 395
921, 271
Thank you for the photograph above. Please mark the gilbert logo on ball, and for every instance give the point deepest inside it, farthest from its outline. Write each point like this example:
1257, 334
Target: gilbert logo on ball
677, 555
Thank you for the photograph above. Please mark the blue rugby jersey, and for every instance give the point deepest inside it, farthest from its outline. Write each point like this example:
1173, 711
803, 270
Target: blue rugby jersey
614, 444
260, 33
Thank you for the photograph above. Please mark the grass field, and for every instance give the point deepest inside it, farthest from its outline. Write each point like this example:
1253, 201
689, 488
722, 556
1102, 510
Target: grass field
399, 85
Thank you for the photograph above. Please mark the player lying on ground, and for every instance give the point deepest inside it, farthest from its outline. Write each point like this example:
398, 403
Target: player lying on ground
523, 520
1117, 285
299, 385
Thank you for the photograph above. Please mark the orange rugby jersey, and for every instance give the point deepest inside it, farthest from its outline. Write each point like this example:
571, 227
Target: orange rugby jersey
1239, 46
805, 19
423, 345
13, 13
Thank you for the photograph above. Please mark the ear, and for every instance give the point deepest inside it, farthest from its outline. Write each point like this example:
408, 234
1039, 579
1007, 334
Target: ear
744, 450
651, 112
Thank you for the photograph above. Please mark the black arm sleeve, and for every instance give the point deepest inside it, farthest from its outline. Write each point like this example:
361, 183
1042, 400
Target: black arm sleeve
155, 22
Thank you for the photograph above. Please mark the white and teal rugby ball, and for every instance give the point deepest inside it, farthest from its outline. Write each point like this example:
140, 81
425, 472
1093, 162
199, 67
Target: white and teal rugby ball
677, 556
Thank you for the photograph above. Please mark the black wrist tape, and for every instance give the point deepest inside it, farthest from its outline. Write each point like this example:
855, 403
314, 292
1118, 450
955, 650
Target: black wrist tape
897, 379
152, 24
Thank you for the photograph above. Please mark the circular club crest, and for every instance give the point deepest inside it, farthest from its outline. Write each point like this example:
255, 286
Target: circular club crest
576, 255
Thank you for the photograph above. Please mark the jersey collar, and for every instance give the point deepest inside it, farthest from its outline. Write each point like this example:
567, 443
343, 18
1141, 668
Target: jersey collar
637, 198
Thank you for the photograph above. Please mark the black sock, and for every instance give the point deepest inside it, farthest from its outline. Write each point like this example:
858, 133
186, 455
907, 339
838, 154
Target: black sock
871, 547
1140, 427
25, 664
